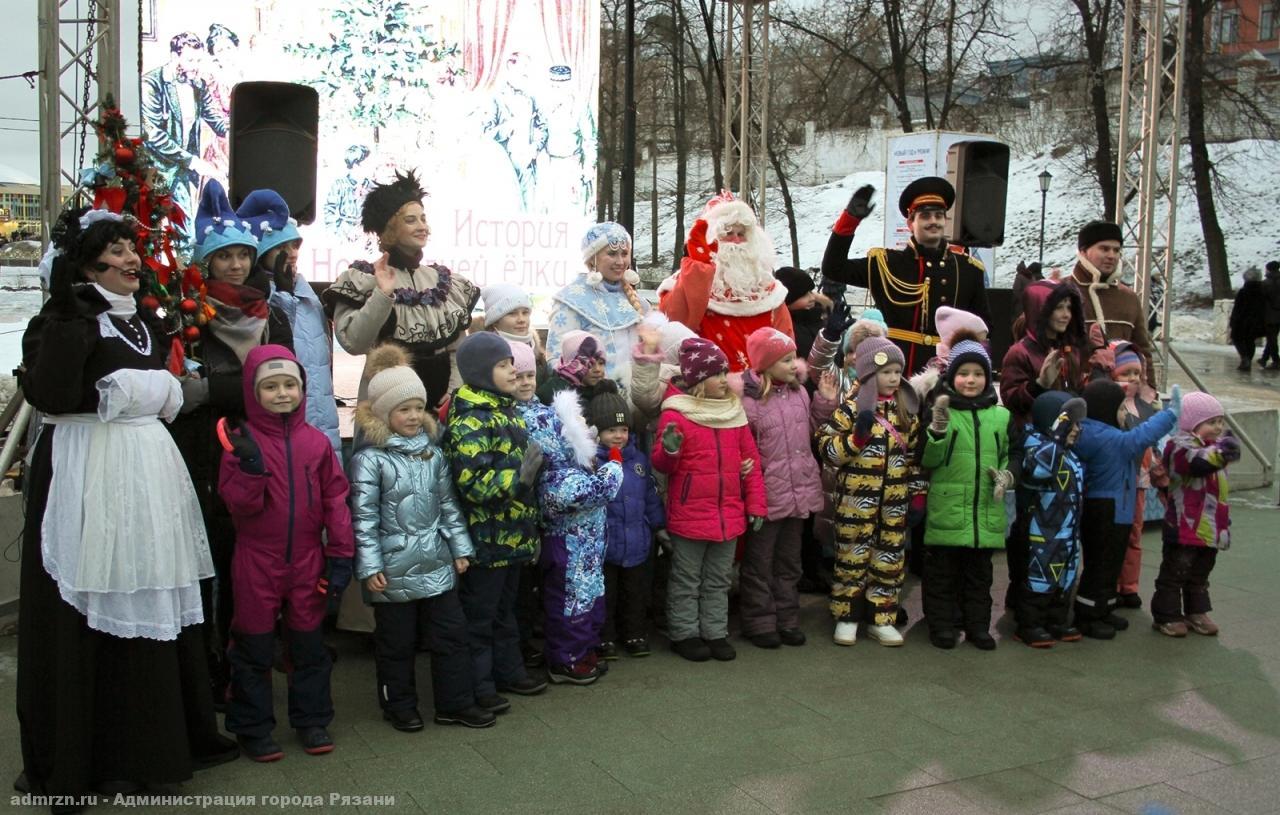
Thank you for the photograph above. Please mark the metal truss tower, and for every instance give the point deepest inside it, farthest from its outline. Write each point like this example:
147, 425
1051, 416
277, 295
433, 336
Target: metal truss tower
79, 49
79, 53
745, 50
1155, 34
1155, 37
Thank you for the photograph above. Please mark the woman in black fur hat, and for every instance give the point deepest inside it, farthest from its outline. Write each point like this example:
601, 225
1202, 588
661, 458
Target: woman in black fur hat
422, 306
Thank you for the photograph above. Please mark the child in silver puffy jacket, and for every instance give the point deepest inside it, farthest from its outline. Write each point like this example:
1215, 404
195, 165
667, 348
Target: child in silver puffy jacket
411, 544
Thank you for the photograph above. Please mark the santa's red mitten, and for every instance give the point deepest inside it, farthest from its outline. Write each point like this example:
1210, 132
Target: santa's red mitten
696, 246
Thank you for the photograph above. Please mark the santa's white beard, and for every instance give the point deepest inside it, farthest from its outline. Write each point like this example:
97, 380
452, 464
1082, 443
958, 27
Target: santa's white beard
740, 270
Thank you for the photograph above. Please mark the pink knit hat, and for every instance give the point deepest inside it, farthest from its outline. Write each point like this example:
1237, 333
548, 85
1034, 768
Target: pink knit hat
571, 346
578, 349
950, 320
766, 346
522, 356
1198, 407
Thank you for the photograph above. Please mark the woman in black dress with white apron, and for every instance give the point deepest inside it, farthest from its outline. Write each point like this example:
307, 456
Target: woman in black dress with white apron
113, 693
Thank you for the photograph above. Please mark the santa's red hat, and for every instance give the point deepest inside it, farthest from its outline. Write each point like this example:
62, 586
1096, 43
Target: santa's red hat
723, 211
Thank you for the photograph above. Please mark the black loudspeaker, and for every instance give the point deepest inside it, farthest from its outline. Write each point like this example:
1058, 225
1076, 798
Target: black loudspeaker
999, 333
979, 171
273, 143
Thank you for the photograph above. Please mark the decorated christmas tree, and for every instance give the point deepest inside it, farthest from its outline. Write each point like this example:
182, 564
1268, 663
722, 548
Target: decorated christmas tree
125, 181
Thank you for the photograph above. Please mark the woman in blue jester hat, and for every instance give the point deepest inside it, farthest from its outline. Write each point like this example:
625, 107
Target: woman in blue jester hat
602, 301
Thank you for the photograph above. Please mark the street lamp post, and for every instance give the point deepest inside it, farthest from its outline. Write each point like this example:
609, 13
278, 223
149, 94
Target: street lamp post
1045, 178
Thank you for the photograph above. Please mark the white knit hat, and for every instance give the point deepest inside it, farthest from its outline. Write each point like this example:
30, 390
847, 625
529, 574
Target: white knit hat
603, 235
501, 299
390, 388
393, 382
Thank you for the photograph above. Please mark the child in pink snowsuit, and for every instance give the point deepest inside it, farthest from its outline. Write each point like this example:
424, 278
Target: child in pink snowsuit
284, 487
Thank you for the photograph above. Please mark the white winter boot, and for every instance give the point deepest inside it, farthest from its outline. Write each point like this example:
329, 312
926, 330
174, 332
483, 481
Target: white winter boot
846, 634
884, 634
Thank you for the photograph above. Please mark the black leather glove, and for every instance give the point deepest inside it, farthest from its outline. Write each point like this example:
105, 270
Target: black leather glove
246, 449
860, 205
340, 572
837, 321
62, 297
281, 274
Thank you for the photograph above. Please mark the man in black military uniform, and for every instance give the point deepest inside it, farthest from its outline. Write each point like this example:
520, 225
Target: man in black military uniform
909, 284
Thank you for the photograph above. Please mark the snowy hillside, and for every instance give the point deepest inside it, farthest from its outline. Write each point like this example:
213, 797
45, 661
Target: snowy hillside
1245, 200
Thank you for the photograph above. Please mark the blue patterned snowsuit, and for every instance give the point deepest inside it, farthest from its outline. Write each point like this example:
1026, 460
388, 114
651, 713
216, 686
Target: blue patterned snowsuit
1052, 490
572, 496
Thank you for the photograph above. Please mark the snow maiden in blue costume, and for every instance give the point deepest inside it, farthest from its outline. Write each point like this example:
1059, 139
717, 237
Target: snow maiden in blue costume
572, 495
602, 301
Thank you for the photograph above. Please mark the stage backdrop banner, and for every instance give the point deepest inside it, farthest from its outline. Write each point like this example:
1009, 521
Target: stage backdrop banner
492, 102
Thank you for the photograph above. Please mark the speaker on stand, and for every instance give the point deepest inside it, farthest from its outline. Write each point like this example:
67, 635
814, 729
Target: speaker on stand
273, 141
979, 172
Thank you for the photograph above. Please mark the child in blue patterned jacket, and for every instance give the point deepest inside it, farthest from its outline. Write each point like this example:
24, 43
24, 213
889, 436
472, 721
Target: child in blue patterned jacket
572, 495
1050, 496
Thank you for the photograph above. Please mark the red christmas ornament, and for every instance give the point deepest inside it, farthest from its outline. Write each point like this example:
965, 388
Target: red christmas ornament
151, 302
188, 306
124, 154
191, 333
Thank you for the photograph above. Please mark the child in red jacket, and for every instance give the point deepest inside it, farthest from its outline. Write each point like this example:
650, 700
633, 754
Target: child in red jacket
703, 445
284, 487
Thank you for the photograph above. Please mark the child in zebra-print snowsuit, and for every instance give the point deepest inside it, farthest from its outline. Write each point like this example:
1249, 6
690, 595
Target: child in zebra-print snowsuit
872, 440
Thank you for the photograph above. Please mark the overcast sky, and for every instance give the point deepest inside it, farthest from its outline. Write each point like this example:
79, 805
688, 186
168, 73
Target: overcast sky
19, 103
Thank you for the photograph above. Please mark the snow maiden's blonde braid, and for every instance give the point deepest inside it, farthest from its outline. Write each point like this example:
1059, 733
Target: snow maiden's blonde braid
633, 298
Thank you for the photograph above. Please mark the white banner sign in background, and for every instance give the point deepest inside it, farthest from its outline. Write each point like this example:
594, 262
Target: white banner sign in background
493, 102
911, 156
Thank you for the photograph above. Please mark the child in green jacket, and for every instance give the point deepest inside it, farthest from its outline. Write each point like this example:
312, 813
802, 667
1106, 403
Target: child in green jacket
495, 469
967, 452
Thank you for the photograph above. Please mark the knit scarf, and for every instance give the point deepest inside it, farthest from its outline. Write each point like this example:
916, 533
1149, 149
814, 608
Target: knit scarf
240, 316
530, 339
715, 413
1096, 282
